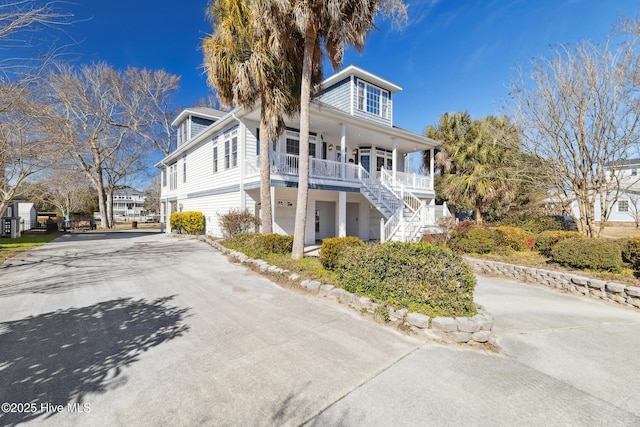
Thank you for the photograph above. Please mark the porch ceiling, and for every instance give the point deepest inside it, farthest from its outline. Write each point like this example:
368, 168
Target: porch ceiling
327, 121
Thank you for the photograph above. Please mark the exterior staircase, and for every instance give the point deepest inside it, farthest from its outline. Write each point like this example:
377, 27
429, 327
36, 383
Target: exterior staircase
407, 217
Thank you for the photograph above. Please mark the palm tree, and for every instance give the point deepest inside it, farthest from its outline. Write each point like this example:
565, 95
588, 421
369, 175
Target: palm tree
324, 24
478, 161
244, 67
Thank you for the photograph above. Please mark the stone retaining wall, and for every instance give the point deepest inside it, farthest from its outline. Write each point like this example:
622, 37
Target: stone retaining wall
476, 329
622, 294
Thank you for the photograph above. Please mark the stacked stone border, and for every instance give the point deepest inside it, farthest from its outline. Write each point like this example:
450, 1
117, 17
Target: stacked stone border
472, 330
626, 295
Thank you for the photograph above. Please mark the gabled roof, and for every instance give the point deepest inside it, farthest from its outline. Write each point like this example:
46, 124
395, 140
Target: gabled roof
203, 112
352, 70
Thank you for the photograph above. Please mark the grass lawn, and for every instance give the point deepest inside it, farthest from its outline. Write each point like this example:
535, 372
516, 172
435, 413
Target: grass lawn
12, 247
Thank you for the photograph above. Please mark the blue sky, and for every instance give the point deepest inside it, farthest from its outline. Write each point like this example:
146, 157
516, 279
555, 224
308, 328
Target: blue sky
452, 55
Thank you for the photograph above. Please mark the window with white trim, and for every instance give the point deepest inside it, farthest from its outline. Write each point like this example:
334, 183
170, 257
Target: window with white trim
623, 206
230, 139
173, 176
215, 159
372, 99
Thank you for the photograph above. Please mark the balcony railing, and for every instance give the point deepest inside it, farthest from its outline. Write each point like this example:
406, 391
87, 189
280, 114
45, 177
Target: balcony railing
289, 164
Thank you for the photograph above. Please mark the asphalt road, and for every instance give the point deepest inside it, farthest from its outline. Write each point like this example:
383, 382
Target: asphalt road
147, 330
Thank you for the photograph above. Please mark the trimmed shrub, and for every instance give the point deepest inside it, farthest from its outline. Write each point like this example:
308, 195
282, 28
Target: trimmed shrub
236, 221
332, 249
546, 240
418, 276
476, 239
533, 222
631, 251
512, 237
276, 243
588, 253
256, 245
188, 222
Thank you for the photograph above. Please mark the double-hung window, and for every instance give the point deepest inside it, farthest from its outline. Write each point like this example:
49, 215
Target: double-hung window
215, 159
173, 176
372, 99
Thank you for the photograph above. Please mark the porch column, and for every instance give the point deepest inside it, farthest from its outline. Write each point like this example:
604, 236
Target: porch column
432, 158
242, 153
343, 148
394, 159
342, 214
273, 208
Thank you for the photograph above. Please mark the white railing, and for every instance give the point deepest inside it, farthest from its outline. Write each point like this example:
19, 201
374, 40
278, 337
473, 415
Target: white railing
285, 164
252, 166
409, 199
385, 197
413, 180
319, 168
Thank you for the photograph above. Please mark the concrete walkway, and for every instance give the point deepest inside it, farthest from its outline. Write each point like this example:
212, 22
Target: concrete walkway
148, 330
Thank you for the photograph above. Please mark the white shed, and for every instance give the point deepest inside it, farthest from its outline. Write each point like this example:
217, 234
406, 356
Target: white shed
28, 216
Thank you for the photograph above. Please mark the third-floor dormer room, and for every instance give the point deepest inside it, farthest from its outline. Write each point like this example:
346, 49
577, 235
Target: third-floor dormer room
360, 93
194, 120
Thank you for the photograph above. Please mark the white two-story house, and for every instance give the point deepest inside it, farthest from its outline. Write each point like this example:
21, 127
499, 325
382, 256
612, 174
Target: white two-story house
358, 179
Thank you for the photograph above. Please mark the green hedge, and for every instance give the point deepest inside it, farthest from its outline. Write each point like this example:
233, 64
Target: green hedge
332, 250
476, 239
631, 251
256, 245
588, 253
546, 240
187, 222
532, 222
423, 278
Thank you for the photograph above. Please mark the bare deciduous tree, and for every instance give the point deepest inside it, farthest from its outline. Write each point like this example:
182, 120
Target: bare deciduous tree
63, 187
108, 120
26, 148
577, 117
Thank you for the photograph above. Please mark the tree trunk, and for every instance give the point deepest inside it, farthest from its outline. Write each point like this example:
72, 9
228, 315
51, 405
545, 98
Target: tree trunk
102, 203
266, 217
479, 213
109, 192
303, 178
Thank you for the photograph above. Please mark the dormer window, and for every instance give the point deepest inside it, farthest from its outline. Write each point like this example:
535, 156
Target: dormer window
183, 133
372, 99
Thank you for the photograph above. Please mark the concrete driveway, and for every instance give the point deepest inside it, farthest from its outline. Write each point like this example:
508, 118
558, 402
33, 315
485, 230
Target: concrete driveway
144, 329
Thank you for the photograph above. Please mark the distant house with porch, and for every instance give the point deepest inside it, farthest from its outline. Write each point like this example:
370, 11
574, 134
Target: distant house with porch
359, 183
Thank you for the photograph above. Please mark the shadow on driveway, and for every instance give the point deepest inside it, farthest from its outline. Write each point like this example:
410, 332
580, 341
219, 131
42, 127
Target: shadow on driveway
59, 357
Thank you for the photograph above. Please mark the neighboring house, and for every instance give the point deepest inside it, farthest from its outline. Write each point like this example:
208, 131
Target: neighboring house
625, 207
358, 179
128, 203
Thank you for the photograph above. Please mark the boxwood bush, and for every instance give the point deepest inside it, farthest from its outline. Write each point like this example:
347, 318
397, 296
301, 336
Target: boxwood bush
421, 277
333, 248
187, 222
546, 240
588, 253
